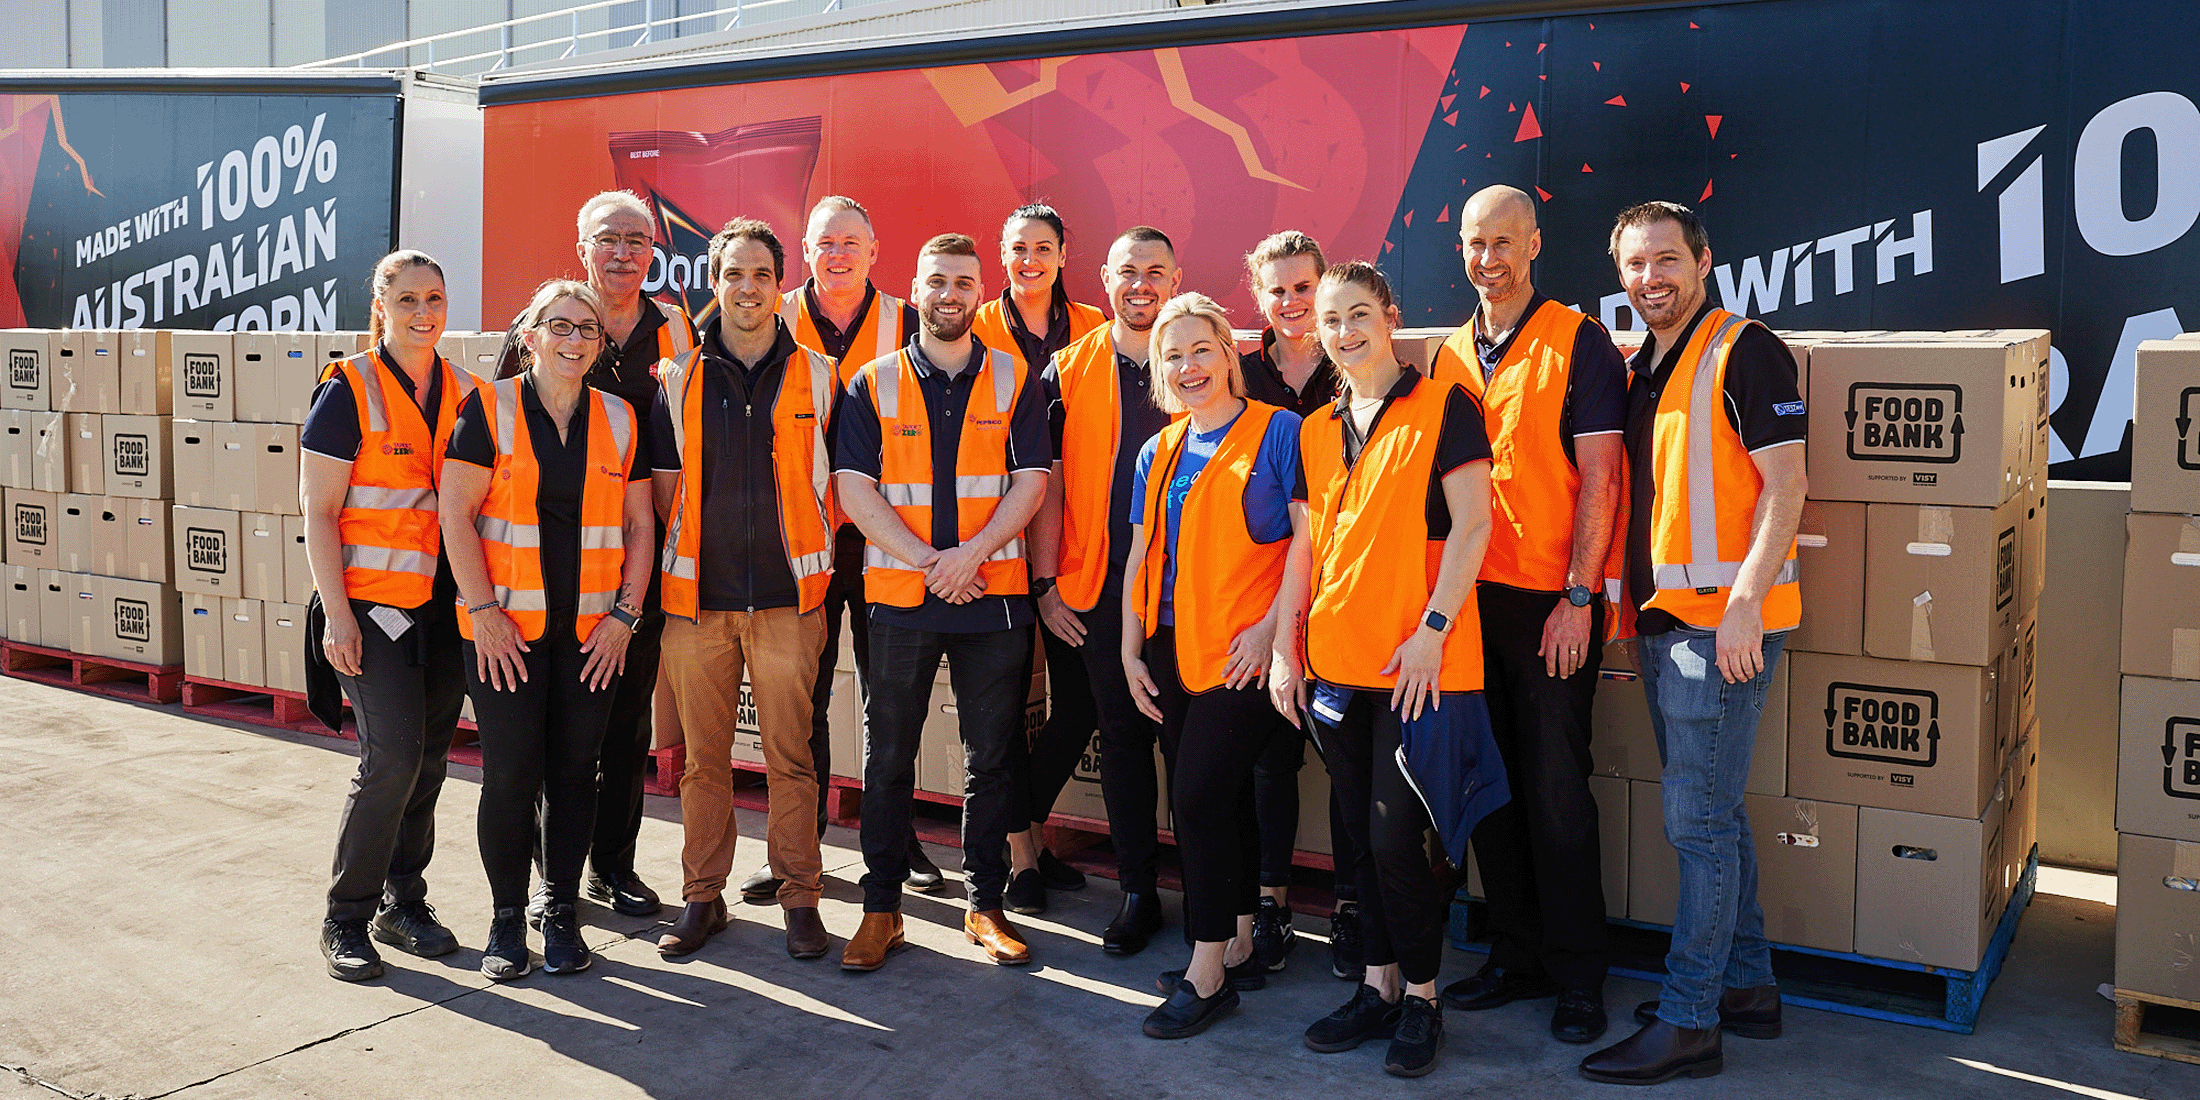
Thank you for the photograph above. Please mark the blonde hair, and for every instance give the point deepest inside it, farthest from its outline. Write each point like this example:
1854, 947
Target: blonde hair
550, 294
1283, 246
1197, 307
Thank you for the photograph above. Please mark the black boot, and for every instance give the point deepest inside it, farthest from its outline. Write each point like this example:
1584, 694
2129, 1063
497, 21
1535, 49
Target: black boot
1134, 924
1749, 1013
1659, 1052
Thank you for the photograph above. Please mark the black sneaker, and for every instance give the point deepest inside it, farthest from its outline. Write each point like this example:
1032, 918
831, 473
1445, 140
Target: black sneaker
351, 956
1366, 1016
1420, 1035
537, 902
1273, 936
1344, 942
563, 952
1059, 875
1027, 894
1186, 1013
506, 957
1244, 977
411, 927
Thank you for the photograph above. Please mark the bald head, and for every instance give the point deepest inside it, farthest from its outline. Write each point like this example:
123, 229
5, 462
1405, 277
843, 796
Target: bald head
1498, 242
1499, 201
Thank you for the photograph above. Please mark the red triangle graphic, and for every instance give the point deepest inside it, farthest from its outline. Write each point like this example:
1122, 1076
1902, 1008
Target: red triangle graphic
1597, 65
1409, 219
1539, 46
1446, 101
1694, 27
1684, 87
1586, 168
1452, 119
1616, 101
1545, 194
1713, 122
1706, 190
1530, 129
1444, 215
1485, 92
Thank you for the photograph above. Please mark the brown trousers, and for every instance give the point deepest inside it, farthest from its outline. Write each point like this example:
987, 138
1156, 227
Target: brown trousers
703, 661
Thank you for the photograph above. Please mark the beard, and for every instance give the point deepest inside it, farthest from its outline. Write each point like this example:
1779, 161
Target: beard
946, 329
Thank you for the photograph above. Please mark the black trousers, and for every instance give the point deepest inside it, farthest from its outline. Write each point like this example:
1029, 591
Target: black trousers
1276, 796
1216, 738
1539, 853
990, 674
1403, 899
624, 767
844, 594
1060, 743
405, 702
1127, 739
539, 741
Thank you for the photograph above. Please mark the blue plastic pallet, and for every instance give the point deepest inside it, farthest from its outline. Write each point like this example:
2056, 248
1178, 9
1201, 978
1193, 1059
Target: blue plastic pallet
1937, 997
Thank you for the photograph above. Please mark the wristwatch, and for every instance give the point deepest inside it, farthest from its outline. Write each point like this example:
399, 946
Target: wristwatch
1436, 620
623, 617
1580, 595
1040, 586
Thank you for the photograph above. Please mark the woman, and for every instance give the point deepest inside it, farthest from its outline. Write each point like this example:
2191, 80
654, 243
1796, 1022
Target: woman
548, 517
383, 592
1033, 319
1208, 542
1397, 498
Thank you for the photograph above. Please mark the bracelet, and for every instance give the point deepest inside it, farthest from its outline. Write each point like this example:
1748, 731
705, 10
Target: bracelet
624, 618
485, 605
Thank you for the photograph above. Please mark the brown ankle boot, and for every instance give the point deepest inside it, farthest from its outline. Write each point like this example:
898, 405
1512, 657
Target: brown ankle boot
877, 937
697, 924
991, 930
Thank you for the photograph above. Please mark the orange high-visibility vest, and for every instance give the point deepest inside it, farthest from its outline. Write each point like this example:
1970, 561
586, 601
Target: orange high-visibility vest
992, 327
676, 337
800, 473
879, 336
1225, 581
388, 526
1534, 484
1092, 434
982, 476
1374, 562
1704, 489
511, 532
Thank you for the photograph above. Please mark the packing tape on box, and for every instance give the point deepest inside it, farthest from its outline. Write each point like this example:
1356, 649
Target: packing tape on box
1936, 536
1921, 627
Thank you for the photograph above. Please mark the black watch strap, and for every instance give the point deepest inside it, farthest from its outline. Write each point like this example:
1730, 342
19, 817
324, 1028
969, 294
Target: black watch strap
1580, 595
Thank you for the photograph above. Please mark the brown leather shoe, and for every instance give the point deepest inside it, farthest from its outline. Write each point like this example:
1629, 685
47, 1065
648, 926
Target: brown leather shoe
877, 937
806, 938
697, 924
991, 930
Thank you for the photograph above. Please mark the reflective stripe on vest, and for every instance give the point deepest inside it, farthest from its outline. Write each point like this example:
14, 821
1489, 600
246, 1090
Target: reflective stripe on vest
883, 323
388, 526
991, 327
906, 474
676, 337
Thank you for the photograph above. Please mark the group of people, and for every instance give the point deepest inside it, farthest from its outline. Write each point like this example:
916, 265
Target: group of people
1224, 555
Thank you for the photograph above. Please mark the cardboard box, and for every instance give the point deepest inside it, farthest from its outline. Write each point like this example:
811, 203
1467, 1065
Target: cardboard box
130, 538
1623, 744
2165, 428
144, 386
2017, 700
15, 449
1806, 870
244, 643
479, 354
75, 532
255, 467
2157, 915
2162, 596
202, 373
2158, 759
135, 451
2032, 548
23, 599
138, 621
844, 726
2021, 825
57, 614
1902, 735
34, 528
268, 367
87, 376
48, 451
261, 536
285, 647
73, 616
208, 558
1923, 421
87, 469
1941, 583
940, 755
202, 635
297, 567
338, 346
1928, 888
31, 354
1829, 552
1653, 869
191, 455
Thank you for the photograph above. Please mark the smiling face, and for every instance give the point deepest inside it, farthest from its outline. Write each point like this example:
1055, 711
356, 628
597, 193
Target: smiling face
615, 249
1355, 328
1140, 275
839, 247
567, 357
413, 308
1285, 290
1031, 253
748, 287
1498, 241
946, 292
1198, 365
1663, 280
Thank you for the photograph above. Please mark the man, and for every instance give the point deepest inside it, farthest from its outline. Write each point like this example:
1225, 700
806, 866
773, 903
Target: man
739, 465
1101, 412
942, 461
839, 312
1554, 395
1714, 442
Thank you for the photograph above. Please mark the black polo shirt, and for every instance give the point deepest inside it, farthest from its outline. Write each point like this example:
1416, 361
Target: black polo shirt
1463, 438
1038, 349
1596, 390
836, 339
859, 450
332, 420
561, 467
1762, 405
628, 370
1141, 421
1264, 380
741, 559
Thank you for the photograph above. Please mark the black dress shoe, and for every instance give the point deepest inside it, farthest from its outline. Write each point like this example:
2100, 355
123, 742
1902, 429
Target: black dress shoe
1494, 987
1419, 1036
924, 875
1244, 977
1750, 1013
1026, 894
350, 955
1366, 1016
625, 892
411, 927
1579, 1017
759, 888
1186, 1013
1059, 875
1134, 924
1659, 1052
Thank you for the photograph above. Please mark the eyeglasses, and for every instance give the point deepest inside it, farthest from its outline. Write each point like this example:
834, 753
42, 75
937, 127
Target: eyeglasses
610, 242
562, 328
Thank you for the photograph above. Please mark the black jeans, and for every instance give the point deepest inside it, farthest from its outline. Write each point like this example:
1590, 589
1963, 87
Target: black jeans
625, 760
541, 740
1403, 900
405, 702
1127, 738
1539, 853
1060, 743
1276, 796
844, 593
1216, 739
990, 674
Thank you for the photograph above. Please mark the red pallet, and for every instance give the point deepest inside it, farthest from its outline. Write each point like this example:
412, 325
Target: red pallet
259, 706
138, 683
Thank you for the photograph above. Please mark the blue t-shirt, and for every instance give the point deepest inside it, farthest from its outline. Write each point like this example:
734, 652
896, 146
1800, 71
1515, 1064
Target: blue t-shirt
1267, 492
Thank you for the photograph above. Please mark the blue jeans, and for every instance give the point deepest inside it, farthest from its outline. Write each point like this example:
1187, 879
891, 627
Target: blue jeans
1706, 730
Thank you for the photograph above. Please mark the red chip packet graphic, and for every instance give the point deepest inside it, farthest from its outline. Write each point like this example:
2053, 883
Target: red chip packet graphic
696, 182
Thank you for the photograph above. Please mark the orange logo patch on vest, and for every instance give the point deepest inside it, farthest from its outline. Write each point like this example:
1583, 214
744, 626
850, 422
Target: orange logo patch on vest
994, 423
909, 430
611, 473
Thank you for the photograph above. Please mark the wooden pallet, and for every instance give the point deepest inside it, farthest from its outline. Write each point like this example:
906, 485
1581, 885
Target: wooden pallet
138, 683
259, 706
2156, 1026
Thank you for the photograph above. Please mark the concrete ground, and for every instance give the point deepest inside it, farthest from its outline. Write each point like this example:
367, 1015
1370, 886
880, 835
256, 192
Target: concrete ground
163, 876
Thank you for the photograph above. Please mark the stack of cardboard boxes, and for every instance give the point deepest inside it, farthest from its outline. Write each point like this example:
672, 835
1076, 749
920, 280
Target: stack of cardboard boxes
84, 453
2158, 768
